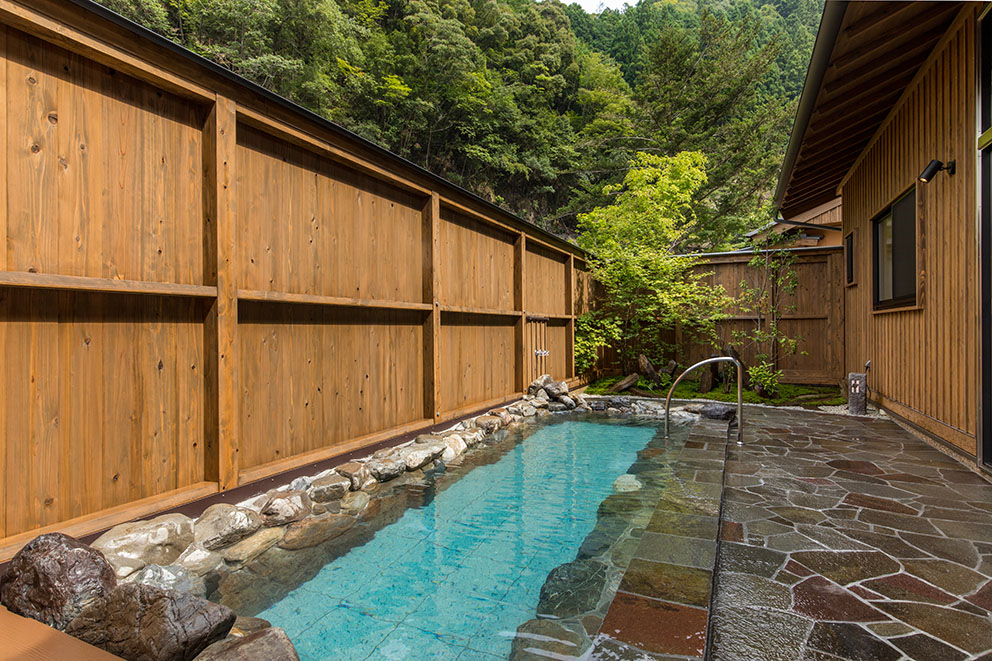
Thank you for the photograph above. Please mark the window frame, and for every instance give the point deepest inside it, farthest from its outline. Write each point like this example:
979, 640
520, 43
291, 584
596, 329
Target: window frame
906, 302
850, 261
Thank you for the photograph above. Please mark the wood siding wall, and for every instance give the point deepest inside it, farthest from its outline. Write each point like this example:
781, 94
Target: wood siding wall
924, 360
200, 288
818, 316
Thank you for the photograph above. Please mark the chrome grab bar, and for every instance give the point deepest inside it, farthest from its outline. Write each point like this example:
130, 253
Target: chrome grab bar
740, 391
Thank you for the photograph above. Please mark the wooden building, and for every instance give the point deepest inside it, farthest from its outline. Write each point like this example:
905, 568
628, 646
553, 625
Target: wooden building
202, 285
819, 227
896, 92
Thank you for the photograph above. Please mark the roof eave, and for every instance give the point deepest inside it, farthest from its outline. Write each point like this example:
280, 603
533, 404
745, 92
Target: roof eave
826, 37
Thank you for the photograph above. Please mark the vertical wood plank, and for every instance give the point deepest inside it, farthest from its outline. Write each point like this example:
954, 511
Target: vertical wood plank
570, 324
4, 174
432, 295
5, 349
15, 369
519, 291
221, 328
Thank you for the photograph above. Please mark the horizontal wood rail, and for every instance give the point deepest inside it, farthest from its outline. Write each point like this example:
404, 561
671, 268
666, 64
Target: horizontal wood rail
455, 309
108, 518
105, 285
282, 465
313, 299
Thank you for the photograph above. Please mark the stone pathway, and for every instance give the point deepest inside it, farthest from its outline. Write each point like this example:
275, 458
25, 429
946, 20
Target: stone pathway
662, 604
846, 538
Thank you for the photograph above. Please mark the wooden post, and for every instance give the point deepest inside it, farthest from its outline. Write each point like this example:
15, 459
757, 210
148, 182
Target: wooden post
221, 326
519, 345
3, 149
570, 311
432, 295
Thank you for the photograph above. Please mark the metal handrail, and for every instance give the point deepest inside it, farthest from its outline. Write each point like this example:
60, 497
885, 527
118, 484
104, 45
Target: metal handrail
740, 391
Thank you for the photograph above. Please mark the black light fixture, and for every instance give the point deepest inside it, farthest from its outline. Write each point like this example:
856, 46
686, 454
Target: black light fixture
933, 167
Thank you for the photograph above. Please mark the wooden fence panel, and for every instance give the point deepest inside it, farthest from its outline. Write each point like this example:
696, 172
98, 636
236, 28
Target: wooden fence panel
103, 171
200, 287
555, 341
817, 317
477, 364
315, 377
547, 273
103, 402
310, 226
475, 260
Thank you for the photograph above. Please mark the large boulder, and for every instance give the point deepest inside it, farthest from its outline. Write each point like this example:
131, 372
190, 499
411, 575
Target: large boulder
271, 644
419, 455
357, 472
386, 467
136, 621
170, 577
315, 530
567, 401
250, 548
285, 507
222, 524
538, 383
472, 436
718, 411
53, 578
488, 423
131, 546
329, 487
355, 502
454, 446
246, 625
556, 389
503, 414
199, 560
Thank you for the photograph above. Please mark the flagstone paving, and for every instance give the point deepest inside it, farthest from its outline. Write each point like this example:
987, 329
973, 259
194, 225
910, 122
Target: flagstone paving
848, 538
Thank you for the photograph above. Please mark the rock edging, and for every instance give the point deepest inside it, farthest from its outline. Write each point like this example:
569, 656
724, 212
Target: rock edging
173, 559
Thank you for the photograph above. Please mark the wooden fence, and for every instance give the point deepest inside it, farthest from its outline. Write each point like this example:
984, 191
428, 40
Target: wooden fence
817, 317
202, 286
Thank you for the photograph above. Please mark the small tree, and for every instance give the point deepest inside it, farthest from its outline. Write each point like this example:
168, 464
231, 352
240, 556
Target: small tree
631, 242
768, 300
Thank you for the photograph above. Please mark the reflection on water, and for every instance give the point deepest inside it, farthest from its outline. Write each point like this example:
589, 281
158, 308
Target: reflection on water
455, 576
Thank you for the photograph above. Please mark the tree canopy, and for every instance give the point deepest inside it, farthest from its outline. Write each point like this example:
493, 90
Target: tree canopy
537, 106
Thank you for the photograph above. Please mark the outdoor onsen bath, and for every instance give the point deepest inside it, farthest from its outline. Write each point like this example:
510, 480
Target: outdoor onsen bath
489, 329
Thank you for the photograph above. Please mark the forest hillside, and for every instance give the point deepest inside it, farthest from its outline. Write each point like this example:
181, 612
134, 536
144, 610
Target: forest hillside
540, 107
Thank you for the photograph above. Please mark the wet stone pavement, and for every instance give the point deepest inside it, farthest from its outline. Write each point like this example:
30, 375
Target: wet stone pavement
847, 538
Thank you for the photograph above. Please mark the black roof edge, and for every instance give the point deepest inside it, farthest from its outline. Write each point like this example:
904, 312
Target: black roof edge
829, 228
145, 33
826, 36
751, 251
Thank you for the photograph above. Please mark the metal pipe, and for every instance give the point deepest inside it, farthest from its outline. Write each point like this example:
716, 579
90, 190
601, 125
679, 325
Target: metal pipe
740, 391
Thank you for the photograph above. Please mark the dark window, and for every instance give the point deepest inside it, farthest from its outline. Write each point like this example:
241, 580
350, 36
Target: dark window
849, 257
895, 254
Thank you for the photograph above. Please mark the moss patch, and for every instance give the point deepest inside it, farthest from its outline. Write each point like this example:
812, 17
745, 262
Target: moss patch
789, 395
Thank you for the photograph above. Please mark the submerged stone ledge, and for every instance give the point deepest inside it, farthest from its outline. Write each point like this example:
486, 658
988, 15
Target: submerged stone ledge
184, 573
641, 583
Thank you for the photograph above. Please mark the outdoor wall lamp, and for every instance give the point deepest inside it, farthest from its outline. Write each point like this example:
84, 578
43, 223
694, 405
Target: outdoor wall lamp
933, 167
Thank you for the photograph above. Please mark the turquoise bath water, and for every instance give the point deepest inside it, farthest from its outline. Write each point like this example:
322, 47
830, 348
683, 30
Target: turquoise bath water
455, 578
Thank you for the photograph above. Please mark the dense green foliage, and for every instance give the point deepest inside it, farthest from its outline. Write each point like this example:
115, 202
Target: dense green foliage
649, 288
537, 106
